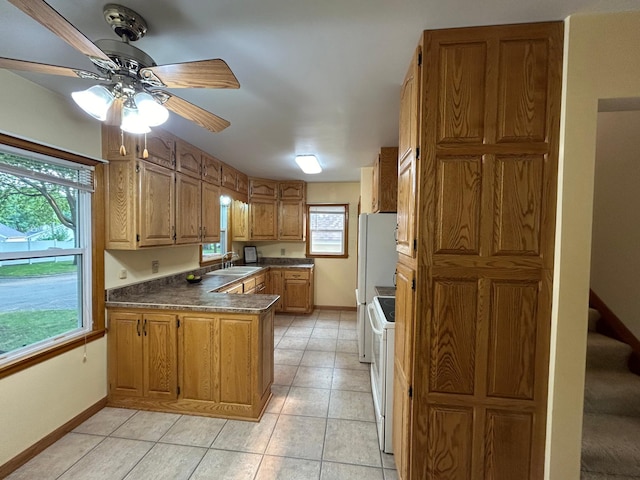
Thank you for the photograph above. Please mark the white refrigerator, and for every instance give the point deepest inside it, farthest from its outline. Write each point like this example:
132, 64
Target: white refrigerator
377, 259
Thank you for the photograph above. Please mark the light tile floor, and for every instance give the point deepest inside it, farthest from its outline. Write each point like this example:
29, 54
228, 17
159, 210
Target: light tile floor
319, 424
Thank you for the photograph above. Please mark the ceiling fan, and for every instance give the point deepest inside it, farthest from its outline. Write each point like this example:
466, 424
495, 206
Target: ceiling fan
130, 92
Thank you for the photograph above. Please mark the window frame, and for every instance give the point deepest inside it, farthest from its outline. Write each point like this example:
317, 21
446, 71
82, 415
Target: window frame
345, 234
96, 306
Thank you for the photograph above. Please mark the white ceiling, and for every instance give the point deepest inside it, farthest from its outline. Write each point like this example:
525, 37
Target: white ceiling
316, 76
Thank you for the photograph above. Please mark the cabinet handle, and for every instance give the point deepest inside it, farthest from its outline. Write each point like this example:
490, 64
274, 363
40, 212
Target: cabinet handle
144, 327
138, 327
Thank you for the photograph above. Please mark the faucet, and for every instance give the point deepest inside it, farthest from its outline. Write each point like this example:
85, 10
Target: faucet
229, 262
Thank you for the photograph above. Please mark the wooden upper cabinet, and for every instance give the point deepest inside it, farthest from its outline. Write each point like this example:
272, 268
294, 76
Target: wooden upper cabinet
384, 194
407, 159
229, 177
157, 205
260, 188
242, 183
291, 224
210, 213
160, 145
189, 206
263, 220
239, 221
211, 169
293, 190
188, 159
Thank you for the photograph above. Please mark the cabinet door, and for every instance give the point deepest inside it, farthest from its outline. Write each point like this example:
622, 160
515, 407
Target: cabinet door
236, 344
385, 181
296, 291
276, 286
488, 172
188, 159
125, 354
157, 205
242, 183
263, 220
403, 363
122, 190
160, 355
198, 361
210, 213
211, 170
292, 191
239, 221
161, 147
188, 209
229, 177
291, 221
408, 147
260, 188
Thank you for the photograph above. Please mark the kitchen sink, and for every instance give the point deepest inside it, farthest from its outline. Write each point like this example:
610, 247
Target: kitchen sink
235, 271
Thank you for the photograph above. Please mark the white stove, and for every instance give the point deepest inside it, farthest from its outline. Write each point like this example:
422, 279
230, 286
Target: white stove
381, 313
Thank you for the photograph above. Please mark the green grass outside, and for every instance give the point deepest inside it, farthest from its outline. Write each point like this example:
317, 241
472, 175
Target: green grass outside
18, 329
38, 269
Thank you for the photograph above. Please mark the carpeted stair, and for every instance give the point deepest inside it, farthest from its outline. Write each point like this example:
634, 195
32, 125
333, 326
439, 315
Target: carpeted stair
611, 423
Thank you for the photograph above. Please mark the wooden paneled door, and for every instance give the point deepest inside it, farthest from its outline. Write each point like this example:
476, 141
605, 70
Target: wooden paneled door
485, 258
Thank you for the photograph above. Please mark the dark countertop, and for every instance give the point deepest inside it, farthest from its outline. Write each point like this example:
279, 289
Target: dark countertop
386, 291
175, 293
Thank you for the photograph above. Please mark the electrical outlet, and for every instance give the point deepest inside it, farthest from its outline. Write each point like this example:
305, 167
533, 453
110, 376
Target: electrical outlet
282, 251
155, 266
123, 274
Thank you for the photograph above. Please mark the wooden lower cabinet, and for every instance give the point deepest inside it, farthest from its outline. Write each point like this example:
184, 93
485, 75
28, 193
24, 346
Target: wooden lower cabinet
142, 355
295, 287
215, 364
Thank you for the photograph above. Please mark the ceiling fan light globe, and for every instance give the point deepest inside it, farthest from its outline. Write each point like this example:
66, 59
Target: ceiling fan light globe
132, 121
152, 112
95, 100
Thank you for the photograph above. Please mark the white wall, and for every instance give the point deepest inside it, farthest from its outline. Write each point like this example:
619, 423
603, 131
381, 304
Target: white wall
137, 263
36, 401
336, 277
615, 260
602, 60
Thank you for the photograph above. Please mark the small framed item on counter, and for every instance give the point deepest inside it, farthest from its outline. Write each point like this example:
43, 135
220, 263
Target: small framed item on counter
250, 255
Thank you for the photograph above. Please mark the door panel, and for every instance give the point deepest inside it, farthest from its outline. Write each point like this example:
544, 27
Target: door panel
160, 347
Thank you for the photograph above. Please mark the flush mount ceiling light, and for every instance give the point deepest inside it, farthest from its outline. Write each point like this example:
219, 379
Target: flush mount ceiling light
308, 164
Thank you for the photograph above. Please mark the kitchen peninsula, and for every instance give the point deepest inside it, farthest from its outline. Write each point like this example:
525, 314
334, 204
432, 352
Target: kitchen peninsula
180, 347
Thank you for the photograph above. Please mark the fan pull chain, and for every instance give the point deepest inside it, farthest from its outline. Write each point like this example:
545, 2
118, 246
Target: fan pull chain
123, 151
145, 152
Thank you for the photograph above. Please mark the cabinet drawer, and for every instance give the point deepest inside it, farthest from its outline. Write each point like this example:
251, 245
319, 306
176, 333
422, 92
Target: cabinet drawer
260, 280
296, 275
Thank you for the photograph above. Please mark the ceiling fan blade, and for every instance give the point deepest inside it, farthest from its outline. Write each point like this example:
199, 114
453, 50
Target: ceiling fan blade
44, 14
196, 114
11, 64
201, 74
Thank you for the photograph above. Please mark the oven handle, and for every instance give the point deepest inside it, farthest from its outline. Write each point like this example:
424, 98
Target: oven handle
372, 313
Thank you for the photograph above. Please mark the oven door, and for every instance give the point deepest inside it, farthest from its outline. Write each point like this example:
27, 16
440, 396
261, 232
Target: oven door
378, 337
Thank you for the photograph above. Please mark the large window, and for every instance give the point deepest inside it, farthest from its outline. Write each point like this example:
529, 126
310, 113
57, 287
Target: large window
45, 252
327, 230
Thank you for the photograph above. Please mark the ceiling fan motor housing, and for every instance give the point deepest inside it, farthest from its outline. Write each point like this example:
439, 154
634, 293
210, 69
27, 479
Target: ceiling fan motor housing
125, 22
